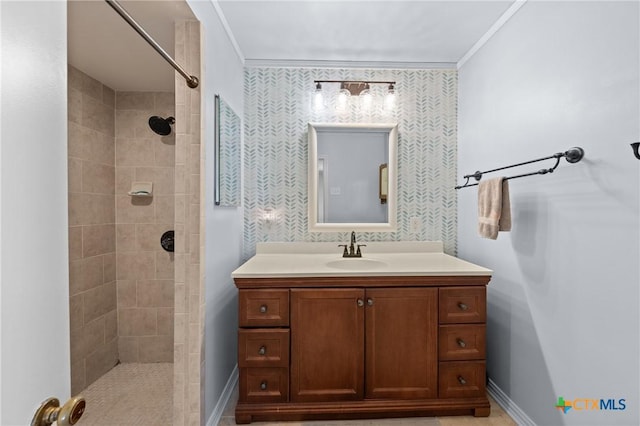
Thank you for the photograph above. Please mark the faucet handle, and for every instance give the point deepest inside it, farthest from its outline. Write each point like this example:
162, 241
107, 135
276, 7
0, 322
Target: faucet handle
345, 253
359, 253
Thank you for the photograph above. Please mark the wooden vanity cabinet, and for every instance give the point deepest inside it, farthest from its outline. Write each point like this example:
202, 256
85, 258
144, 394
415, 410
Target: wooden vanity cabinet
361, 347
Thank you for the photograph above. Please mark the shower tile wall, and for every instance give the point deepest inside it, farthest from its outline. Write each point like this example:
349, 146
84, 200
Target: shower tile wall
92, 245
145, 273
121, 282
188, 386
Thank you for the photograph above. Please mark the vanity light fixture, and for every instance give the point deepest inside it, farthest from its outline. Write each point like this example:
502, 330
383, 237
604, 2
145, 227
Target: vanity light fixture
349, 88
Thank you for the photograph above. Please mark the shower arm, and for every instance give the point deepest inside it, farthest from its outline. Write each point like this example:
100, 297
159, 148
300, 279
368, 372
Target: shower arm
192, 81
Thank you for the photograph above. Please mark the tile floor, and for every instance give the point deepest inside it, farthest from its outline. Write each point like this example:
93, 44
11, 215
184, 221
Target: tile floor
497, 418
131, 395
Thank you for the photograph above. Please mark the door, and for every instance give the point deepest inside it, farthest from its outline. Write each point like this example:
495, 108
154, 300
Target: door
327, 344
34, 289
402, 343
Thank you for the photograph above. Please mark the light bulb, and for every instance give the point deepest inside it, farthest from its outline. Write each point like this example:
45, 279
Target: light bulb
366, 99
390, 99
318, 98
343, 100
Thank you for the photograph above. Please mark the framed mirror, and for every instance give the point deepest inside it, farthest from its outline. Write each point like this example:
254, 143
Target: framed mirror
227, 148
352, 177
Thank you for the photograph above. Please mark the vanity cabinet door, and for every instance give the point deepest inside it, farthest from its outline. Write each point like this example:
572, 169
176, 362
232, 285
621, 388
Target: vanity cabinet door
402, 343
327, 344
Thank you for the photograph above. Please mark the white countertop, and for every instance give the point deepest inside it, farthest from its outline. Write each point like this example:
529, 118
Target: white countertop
281, 260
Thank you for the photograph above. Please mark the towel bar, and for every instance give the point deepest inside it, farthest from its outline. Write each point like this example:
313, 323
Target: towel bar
572, 155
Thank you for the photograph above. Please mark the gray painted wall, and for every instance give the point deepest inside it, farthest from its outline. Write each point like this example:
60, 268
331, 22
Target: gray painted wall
223, 74
563, 302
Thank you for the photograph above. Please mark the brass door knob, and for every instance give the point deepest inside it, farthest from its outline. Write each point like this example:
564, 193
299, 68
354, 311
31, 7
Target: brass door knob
50, 411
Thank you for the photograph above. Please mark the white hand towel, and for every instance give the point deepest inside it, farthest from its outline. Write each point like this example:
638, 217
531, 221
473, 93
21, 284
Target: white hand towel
494, 210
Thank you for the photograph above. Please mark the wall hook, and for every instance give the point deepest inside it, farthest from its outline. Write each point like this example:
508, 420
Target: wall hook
635, 146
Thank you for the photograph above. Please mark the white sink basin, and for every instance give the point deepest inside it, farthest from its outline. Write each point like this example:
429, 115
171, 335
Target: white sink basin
356, 264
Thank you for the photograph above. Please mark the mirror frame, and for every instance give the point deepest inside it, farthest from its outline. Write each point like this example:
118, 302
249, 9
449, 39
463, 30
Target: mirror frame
312, 193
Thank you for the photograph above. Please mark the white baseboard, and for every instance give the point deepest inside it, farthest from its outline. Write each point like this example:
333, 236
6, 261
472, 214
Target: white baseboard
508, 405
216, 415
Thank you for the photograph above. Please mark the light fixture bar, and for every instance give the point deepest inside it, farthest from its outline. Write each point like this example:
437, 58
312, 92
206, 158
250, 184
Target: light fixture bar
355, 81
355, 87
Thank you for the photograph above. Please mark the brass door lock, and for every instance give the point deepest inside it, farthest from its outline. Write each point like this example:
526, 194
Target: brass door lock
50, 411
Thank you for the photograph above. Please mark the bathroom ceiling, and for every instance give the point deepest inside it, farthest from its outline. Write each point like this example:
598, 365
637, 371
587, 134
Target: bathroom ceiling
103, 45
391, 33
377, 32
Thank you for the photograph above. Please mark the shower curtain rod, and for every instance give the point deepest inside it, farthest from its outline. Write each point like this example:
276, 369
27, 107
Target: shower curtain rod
192, 81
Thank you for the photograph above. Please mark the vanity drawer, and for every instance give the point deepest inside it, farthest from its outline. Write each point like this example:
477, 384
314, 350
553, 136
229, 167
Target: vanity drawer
263, 308
461, 342
263, 348
264, 385
462, 305
461, 379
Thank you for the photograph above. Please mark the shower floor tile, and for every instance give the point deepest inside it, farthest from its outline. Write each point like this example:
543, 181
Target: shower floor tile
131, 395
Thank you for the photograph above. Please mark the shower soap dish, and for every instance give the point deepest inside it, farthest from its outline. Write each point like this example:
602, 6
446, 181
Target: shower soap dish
141, 189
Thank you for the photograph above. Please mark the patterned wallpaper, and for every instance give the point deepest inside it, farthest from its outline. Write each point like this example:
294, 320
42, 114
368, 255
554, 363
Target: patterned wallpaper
277, 111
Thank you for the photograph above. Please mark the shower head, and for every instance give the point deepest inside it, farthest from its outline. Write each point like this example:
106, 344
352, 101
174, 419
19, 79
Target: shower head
161, 126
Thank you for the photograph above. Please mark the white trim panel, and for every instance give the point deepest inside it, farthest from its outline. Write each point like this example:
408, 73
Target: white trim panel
492, 31
508, 405
227, 29
392, 224
225, 396
295, 63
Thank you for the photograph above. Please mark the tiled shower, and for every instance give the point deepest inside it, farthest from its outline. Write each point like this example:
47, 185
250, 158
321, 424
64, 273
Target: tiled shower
121, 280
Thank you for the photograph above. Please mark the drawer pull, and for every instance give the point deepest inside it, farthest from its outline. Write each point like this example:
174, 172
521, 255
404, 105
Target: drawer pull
461, 380
263, 309
461, 343
263, 385
360, 303
370, 302
462, 306
262, 350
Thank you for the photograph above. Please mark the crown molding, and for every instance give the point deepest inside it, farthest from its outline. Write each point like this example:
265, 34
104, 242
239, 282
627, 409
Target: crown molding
227, 30
491, 32
295, 63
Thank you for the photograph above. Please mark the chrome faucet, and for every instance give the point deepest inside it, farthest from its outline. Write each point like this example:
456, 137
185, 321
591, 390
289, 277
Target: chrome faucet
352, 251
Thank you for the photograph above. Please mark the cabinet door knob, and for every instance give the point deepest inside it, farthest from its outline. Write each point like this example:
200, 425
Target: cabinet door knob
463, 306
461, 343
370, 302
262, 350
360, 303
462, 380
263, 385
263, 309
